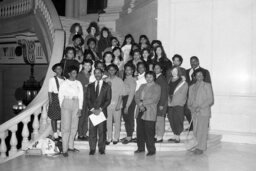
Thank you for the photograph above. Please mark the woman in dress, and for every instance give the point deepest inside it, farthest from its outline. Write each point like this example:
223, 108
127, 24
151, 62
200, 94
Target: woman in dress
54, 105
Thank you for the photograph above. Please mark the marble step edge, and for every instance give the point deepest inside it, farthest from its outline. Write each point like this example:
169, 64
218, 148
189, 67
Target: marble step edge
159, 146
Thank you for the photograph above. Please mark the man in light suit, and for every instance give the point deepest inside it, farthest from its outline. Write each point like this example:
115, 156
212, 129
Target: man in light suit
190, 78
98, 98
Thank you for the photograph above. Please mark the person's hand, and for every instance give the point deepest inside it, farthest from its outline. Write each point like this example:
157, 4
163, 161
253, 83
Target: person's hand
126, 110
142, 109
183, 78
161, 107
79, 112
118, 108
97, 112
109, 83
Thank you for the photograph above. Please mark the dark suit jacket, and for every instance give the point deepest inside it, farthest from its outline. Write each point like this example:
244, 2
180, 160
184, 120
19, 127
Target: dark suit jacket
207, 78
103, 100
161, 80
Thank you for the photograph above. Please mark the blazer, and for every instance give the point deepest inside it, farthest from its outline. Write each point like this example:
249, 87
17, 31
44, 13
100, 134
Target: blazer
161, 80
193, 80
202, 98
103, 100
179, 97
150, 101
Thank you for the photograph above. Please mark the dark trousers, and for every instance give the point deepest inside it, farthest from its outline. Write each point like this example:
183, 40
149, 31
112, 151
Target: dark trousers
99, 130
176, 119
83, 123
129, 118
187, 114
145, 134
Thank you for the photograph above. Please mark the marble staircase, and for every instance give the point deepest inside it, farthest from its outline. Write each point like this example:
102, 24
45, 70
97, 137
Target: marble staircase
213, 141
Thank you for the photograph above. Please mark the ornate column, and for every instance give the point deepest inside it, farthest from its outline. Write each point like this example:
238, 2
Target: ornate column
1, 96
69, 9
83, 7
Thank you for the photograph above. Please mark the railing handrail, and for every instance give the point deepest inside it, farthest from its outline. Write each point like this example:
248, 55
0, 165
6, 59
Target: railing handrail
15, 8
57, 51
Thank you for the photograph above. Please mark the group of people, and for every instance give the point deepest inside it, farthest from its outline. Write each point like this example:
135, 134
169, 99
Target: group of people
132, 81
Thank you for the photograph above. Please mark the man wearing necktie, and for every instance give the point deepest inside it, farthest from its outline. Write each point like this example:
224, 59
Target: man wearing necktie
98, 98
190, 78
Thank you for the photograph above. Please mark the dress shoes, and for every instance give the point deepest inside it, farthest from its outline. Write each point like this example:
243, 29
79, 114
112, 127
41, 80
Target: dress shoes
126, 141
139, 151
107, 142
102, 152
65, 154
198, 152
92, 152
73, 150
171, 140
159, 141
115, 142
151, 153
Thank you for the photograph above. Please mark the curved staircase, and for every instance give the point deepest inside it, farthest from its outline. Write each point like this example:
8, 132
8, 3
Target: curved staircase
41, 18
37, 16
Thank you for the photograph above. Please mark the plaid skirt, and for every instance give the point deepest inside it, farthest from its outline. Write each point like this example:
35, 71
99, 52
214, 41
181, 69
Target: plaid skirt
54, 111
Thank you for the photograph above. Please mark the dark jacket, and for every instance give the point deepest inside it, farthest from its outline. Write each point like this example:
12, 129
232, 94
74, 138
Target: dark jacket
102, 101
66, 63
161, 80
165, 64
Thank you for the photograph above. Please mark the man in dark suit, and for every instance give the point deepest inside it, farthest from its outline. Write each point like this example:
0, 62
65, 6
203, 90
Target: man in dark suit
190, 76
98, 98
191, 79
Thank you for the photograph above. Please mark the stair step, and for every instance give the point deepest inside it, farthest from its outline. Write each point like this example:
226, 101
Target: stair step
213, 141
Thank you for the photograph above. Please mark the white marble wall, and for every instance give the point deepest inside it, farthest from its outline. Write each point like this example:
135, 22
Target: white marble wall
222, 34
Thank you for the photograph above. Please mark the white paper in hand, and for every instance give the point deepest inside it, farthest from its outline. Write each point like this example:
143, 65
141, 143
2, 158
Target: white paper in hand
97, 119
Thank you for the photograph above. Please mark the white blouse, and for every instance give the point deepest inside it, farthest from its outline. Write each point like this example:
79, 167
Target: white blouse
53, 86
140, 80
72, 89
126, 50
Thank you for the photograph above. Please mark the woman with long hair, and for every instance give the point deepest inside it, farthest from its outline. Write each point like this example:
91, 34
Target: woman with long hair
75, 29
93, 32
160, 57
105, 41
119, 60
127, 46
144, 42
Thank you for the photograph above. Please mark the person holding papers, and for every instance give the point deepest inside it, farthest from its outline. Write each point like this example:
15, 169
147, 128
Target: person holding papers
98, 98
